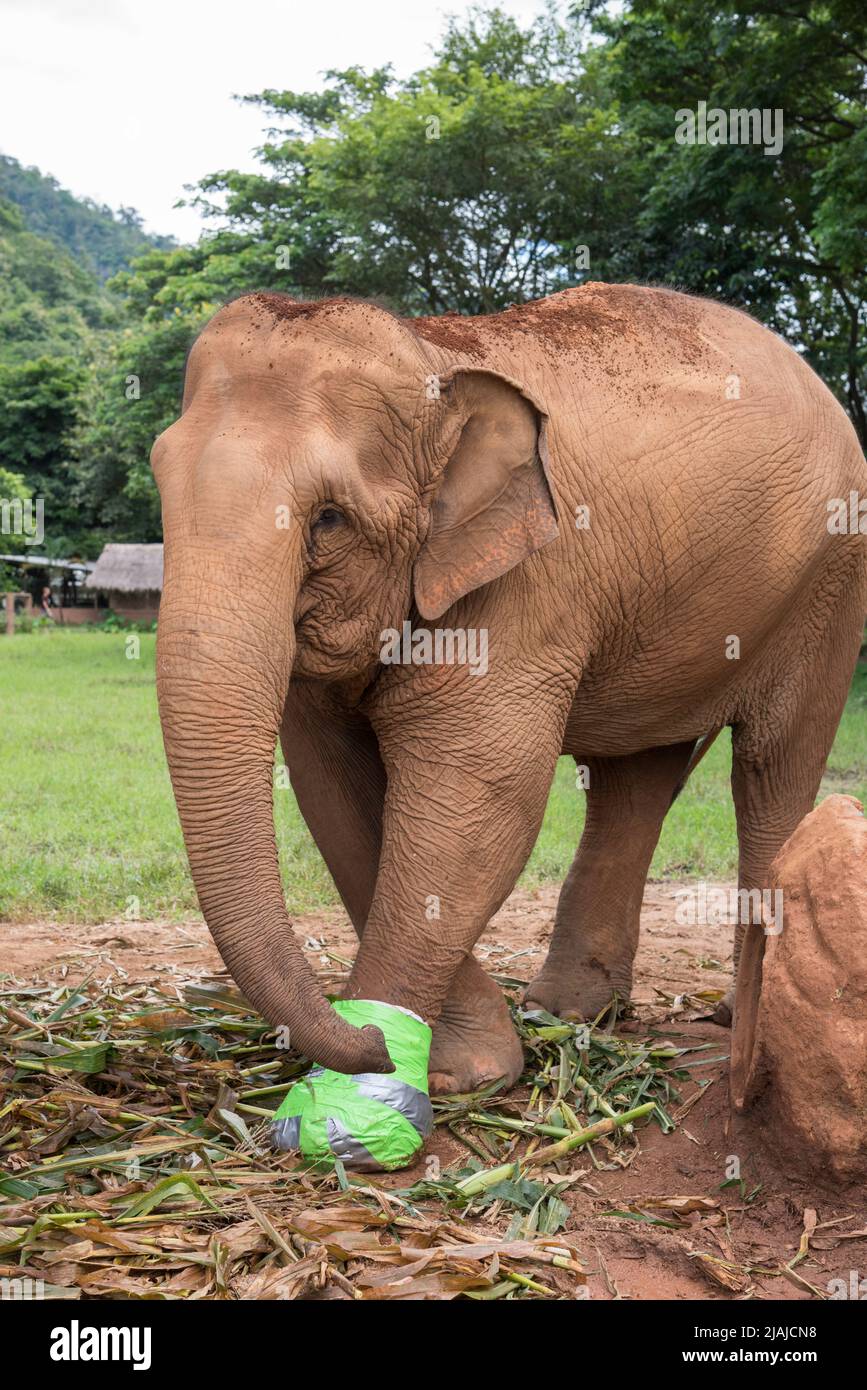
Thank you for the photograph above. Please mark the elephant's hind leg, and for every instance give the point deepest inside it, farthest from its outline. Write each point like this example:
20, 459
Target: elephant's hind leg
596, 926
779, 750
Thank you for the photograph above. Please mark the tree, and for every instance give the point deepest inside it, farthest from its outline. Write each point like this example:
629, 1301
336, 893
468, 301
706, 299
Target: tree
13, 489
782, 236
38, 411
131, 394
466, 187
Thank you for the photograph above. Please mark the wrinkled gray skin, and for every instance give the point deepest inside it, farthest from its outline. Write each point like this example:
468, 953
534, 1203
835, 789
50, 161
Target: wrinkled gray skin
336, 471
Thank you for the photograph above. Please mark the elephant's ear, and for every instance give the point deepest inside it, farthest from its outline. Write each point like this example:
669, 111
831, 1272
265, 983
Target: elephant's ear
491, 505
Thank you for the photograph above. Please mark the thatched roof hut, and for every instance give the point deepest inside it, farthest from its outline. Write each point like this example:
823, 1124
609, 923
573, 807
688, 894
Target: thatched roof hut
128, 569
131, 577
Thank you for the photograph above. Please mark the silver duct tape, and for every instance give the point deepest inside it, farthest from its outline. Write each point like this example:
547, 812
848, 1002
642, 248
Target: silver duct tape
348, 1149
286, 1134
407, 1100
412, 1103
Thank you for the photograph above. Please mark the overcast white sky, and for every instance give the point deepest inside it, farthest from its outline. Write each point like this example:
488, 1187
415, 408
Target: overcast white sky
125, 101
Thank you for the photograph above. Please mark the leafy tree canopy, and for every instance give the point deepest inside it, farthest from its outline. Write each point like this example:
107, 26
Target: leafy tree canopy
782, 236
524, 160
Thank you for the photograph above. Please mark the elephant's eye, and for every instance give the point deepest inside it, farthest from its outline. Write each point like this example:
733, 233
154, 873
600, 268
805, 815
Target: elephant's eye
329, 519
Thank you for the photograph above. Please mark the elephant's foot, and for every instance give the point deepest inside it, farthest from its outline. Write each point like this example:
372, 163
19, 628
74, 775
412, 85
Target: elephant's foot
474, 1041
724, 1011
581, 992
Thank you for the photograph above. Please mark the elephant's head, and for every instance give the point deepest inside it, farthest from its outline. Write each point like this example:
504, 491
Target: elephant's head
318, 482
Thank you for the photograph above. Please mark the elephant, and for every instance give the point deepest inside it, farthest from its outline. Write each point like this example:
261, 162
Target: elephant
627, 490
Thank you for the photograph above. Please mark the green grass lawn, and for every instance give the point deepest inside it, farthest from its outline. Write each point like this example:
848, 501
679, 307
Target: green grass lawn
87, 819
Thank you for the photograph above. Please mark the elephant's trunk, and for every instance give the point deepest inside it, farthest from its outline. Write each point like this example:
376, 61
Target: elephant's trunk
222, 677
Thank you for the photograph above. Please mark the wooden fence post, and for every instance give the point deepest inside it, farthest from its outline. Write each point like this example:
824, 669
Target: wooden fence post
10, 615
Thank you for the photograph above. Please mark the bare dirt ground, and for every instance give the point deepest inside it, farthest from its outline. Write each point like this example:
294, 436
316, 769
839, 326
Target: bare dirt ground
737, 1243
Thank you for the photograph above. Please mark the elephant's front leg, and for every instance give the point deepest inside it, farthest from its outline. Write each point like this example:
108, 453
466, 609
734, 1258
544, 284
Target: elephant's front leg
339, 782
466, 796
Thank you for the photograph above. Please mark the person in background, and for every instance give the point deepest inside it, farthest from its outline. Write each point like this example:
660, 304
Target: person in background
46, 603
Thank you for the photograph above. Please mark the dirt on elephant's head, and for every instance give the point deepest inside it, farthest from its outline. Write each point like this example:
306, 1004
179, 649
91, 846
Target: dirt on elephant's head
283, 307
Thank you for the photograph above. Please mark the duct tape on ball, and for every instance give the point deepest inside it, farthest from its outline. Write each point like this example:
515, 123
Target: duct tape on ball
370, 1121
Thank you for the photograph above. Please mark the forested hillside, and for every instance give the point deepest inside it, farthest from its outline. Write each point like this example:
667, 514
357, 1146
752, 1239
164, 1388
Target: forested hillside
60, 326
99, 239
50, 303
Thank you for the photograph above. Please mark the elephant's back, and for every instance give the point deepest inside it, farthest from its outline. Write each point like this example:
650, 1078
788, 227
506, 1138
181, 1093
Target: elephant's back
652, 394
